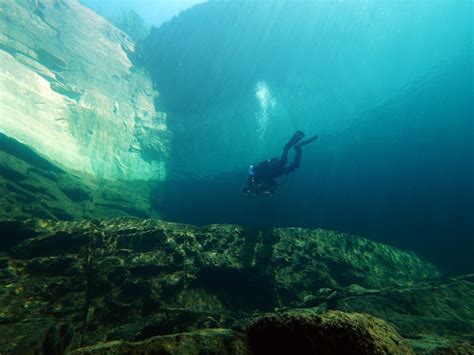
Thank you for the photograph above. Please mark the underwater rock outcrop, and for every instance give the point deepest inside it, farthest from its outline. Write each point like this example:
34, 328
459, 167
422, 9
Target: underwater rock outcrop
130, 284
333, 332
70, 91
32, 186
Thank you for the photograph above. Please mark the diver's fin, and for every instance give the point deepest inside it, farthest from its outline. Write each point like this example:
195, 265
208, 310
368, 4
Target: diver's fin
308, 141
296, 138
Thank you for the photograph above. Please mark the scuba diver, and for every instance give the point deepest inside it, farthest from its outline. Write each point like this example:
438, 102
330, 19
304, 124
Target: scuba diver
262, 177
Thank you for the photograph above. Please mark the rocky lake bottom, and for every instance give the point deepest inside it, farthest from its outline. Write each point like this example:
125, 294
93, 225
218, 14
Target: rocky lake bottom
143, 286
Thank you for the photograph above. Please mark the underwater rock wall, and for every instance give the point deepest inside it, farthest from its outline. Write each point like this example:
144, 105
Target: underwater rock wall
70, 91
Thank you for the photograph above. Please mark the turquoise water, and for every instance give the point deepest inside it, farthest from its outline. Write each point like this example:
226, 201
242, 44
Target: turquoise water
107, 139
386, 84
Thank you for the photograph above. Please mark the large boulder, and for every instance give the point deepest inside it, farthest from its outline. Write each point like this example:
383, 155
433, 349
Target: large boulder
333, 332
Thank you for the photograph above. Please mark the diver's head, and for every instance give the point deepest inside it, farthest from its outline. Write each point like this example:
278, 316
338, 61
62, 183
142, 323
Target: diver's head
251, 170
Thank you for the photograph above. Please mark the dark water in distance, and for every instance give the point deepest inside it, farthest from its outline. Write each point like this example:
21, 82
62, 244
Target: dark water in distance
408, 185
395, 159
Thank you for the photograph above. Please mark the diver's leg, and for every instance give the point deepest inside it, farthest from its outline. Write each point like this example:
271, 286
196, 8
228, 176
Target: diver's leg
298, 154
295, 139
296, 163
284, 156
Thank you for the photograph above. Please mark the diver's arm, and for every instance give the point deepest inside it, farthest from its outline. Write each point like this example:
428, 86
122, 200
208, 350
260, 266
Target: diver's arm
267, 186
250, 180
250, 184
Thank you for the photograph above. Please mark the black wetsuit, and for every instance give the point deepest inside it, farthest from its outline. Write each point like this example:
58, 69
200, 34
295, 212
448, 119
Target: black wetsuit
262, 177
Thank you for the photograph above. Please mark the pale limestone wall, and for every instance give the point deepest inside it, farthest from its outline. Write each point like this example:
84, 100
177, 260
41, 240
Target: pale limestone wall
69, 90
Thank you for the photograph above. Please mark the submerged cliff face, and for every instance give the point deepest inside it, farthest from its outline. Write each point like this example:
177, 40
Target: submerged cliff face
70, 91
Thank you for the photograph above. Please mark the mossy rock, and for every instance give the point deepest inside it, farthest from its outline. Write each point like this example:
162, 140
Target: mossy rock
333, 332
